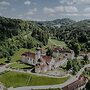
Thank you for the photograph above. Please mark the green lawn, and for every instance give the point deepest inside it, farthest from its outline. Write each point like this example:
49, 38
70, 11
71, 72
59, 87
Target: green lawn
19, 66
16, 79
56, 42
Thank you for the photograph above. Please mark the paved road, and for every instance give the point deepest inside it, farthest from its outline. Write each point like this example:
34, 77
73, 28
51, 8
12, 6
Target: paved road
72, 79
3, 68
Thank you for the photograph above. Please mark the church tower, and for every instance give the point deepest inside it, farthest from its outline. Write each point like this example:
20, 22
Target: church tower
37, 54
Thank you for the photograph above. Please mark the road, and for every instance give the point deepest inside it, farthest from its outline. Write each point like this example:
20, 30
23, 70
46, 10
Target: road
71, 80
3, 68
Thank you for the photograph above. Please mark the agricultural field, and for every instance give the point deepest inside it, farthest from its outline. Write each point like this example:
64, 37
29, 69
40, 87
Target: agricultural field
56, 43
17, 79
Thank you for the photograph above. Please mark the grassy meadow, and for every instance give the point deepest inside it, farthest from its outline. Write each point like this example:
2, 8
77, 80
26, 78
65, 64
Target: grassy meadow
16, 79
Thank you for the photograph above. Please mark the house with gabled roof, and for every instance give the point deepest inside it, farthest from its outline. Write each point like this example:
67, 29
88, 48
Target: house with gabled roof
68, 52
31, 57
77, 85
43, 62
28, 57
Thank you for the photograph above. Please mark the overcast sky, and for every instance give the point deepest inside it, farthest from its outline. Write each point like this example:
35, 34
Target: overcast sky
45, 9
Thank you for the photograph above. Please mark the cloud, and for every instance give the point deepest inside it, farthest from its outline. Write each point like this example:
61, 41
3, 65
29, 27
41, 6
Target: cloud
61, 1
48, 10
86, 14
71, 9
27, 14
5, 3
27, 2
13, 9
53, 10
69, 2
82, 1
3, 8
31, 11
20, 16
87, 9
0, 14
60, 9
74, 2
72, 14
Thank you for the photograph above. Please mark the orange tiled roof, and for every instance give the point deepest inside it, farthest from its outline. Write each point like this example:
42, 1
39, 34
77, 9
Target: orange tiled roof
78, 83
61, 50
46, 58
29, 54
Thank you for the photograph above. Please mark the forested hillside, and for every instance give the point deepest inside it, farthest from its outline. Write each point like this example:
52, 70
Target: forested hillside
16, 33
11, 27
58, 22
76, 35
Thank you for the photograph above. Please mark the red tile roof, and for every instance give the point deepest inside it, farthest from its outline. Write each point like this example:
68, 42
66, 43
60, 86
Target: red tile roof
29, 54
46, 58
61, 50
78, 83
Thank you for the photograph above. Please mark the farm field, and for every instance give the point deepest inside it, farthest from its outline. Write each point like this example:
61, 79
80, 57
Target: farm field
56, 43
17, 79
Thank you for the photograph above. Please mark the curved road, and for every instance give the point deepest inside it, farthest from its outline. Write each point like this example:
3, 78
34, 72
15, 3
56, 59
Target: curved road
71, 80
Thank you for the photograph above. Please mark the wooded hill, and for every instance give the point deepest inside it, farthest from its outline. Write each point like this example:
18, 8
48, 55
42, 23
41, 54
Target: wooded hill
16, 33
75, 34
